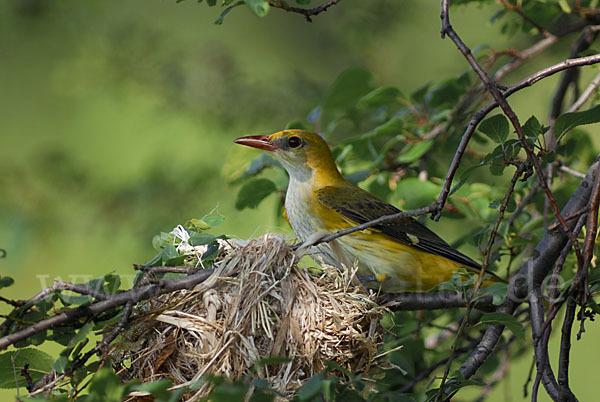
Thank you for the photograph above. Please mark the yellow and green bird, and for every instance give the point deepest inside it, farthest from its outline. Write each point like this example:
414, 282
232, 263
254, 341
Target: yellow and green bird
396, 256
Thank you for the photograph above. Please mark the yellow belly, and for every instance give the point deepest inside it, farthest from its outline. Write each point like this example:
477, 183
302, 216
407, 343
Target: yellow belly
399, 267
403, 267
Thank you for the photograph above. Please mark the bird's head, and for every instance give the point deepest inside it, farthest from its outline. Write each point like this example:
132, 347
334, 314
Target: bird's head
304, 154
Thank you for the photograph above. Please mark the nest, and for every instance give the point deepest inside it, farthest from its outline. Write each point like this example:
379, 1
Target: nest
258, 304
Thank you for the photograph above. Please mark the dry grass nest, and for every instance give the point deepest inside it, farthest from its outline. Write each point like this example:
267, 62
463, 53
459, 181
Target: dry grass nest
257, 304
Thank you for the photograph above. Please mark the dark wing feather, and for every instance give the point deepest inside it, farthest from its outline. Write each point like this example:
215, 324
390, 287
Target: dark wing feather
367, 207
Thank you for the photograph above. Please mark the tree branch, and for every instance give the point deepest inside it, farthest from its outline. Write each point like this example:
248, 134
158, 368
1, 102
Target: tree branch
532, 271
512, 117
481, 113
583, 42
131, 296
62, 285
587, 93
442, 299
565, 347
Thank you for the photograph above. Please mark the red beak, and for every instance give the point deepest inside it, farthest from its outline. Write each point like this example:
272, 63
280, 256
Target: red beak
257, 141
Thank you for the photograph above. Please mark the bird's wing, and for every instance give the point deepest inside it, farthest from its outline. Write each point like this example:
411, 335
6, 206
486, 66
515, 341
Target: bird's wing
360, 206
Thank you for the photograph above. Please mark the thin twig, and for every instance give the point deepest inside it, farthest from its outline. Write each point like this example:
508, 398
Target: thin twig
574, 215
14, 303
524, 55
50, 385
375, 222
62, 285
570, 171
587, 93
166, 269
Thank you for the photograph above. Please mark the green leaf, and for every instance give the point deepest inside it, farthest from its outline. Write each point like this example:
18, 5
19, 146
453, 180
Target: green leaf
549, 157
419, 95
62, 334
453, 384
447, 93
416, 193
158, 389
258, 7
593, 305
568, 121
78, 300
297, 124
253, 192
311, 388
464, 177
224, 13
498, 291
175, 261
512, 147
169, 252
6, 281
11, 364
111, 284
495, 127
161, 240
532, 128
503, 319
60, 364
256, 166
196, 225
414, 151
82, 333
379, 97
198, 239
564, 5
358, 176
32, 317
511, 205
106, 386
391, 127
214, 220
459, 281
348, 87
497, 170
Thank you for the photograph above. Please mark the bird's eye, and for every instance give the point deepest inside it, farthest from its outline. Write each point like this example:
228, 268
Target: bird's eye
294, 142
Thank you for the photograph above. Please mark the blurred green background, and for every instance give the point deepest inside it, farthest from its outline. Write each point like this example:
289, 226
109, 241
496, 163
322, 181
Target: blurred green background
116, 119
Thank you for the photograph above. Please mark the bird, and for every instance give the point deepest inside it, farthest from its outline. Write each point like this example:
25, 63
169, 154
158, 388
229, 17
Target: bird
395, 256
